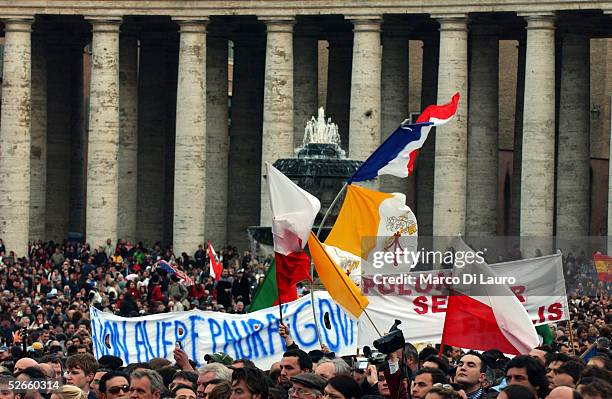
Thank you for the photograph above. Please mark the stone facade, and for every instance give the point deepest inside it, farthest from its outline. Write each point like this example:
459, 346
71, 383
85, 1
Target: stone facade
156, 151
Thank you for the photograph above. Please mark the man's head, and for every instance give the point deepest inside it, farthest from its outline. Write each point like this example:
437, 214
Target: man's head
526, 371
81, 368
249, 383
567, 375
328, 368
184, 378
595, 388
23, 364
294, 362
209, 372
424, 380
564, 393
114, 385
553, 362
307, 386
601, 362
539, 355
470, 372
145, 384
95, 383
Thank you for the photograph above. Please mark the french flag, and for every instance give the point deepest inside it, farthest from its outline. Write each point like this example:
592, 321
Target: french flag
396, 155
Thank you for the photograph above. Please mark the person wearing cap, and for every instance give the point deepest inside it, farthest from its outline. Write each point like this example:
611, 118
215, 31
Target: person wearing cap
307, 385
4, 353
219, 357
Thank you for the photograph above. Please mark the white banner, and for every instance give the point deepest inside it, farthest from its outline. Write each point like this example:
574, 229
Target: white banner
253, 336
540, 286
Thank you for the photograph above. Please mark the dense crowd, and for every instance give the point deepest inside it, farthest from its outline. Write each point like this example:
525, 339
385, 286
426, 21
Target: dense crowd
45, 336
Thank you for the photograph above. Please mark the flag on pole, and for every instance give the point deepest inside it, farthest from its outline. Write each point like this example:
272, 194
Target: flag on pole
171, 269
344, 292
603, 266
371, 221
215, 266
397, 154
485, 316
267, 293
293, 214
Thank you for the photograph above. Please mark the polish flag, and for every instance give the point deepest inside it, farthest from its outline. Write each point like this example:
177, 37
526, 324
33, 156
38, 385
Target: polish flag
485, 315
215, 266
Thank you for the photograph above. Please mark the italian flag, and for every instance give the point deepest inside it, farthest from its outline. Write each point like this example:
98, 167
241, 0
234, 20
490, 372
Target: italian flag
293, 214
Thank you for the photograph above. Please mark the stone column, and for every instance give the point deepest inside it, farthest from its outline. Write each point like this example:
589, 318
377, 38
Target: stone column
425, 162
245, 137
482, 168
305, 84
451, 139
217, 142
339, 83
103, 144
38, 147
78, 139
364, 124
515, 222
190, 150
278, 102
58, 136
538, 152
152, 131
128, 136
573, 151
15, 124
172, 49
394, 102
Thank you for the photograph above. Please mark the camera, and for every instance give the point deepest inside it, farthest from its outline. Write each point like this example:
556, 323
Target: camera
391, 342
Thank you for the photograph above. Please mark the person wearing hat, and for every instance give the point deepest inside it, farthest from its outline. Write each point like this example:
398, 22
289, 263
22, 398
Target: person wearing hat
219, 357
307, 385
4, 353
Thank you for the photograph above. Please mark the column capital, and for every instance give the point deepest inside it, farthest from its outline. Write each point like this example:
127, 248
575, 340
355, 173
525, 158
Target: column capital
192, 25
18, 23
452, 22
365, 23
542, 20
278, 23
104, 23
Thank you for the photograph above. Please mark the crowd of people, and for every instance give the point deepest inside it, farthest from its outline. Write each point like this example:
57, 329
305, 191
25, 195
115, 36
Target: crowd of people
45, 336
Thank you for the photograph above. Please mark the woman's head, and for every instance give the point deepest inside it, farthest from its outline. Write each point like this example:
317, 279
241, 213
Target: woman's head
68, 392
342, 387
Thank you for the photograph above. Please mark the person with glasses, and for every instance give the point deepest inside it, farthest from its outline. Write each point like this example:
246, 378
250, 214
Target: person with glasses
114, 385
307, 386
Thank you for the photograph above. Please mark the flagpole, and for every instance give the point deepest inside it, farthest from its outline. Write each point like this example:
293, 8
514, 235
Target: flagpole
329, 211
312, 299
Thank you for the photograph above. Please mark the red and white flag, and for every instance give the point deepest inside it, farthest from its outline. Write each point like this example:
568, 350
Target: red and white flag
485, 314
293, 213
215, 266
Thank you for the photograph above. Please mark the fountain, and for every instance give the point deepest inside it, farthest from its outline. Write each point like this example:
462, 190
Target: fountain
320, 167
